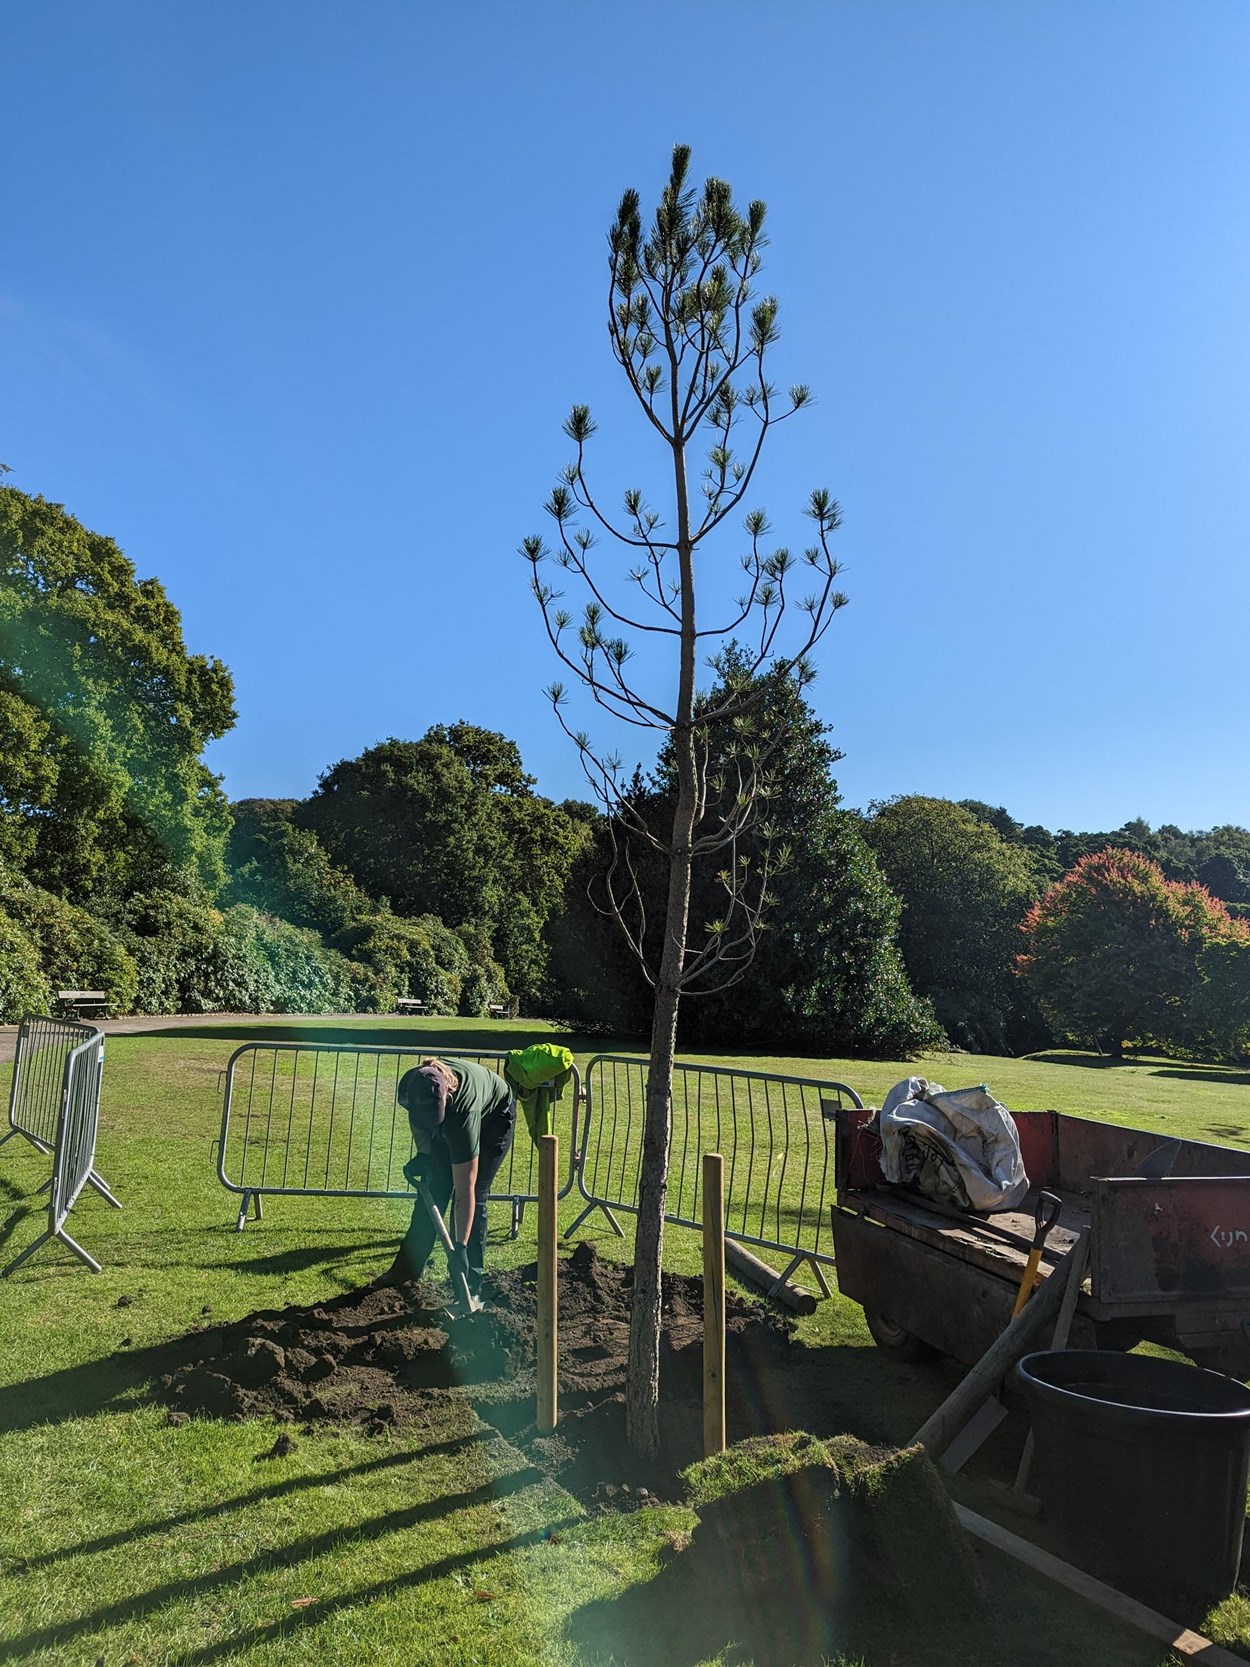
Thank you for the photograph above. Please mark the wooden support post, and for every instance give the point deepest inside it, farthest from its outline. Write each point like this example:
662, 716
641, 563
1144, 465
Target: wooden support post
937, 1432
713, 1304
548, 1349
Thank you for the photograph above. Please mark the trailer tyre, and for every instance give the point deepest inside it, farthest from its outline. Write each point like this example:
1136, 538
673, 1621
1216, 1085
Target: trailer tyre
898, 1343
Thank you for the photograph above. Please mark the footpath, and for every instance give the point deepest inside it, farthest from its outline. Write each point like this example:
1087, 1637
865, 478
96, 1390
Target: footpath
139, 1023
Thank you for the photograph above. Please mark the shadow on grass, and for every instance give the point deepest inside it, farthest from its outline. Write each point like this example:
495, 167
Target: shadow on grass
241, 1502
127, 1610
409, 1037
1194, 1071
298, 1624
1210, 1073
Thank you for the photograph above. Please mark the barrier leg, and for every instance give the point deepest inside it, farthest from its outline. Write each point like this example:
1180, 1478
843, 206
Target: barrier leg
259, 1202
82, 1255
818, 1273
27, 1254
95, 1180
589, 1211
244, 1202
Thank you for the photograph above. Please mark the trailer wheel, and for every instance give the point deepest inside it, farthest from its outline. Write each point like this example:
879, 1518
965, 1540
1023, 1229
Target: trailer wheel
893, 1340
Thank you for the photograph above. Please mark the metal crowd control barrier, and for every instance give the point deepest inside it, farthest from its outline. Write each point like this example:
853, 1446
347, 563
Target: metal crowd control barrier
776, 1133
37, 1093
321, 1120
74, 1135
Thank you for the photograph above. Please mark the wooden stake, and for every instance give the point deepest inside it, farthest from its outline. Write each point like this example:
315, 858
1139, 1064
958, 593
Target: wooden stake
548, 1349
713, 1304
1190, 1646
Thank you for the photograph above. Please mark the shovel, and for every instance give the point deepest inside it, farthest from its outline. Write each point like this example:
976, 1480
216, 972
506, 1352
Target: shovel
464, 1303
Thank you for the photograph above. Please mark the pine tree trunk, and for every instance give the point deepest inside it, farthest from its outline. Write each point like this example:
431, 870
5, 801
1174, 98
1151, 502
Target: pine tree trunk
642, 1385
642, 1394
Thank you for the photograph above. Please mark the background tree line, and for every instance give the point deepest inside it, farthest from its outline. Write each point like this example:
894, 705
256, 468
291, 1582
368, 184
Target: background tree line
434, 869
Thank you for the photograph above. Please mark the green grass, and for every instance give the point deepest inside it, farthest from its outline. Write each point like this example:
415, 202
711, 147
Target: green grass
127, 1540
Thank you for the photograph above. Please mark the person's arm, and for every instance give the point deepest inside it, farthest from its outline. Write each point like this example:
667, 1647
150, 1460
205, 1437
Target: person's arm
464, 1180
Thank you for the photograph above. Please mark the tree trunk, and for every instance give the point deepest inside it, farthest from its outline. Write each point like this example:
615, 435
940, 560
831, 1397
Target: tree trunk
642, 1384
642, 1416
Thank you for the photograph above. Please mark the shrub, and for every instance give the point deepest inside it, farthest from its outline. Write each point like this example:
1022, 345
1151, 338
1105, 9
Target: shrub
23, 987
74, 950
485, 981
1117, 953
292, 971
187, 962
401, 960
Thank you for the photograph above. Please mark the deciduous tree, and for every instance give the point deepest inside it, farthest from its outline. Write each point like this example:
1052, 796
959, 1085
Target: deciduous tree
965, 890
1116, 953
103, 716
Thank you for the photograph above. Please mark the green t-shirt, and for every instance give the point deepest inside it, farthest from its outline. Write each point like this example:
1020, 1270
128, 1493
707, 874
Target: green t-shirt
480, 1093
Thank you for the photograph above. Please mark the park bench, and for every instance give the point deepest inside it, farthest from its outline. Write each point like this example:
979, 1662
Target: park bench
79, 1004
409, 1004
497, 1010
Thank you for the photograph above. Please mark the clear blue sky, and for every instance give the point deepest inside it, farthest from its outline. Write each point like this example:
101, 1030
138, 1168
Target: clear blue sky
294, 298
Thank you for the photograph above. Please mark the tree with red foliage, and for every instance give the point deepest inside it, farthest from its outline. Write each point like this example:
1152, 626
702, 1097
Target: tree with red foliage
1116, 954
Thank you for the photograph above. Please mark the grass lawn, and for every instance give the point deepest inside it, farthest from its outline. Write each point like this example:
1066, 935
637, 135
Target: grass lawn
125, 1540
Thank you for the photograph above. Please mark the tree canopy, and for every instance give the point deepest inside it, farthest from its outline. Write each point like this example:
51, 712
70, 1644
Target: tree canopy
103, 715
450, 826
1116, 953
964, 890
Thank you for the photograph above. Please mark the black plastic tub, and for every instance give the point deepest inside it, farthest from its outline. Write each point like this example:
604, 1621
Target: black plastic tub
1142, 1467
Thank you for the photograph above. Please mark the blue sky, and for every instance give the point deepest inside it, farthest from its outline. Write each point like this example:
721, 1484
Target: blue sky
294, 299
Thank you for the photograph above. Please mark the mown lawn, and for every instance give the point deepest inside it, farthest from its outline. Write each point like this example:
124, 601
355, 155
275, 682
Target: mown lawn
128, 1541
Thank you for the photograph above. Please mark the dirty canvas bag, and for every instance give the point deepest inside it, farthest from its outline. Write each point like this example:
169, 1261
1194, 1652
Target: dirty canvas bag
959, 1147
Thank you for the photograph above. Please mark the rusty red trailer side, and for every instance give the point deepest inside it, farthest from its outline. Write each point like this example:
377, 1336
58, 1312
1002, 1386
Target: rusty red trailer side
1169, 1259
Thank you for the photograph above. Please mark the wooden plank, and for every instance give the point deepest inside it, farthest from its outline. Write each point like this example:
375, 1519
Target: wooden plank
756, 1272
970, 1241
939, 1430
713, 1304
548, 1288
1189, 1645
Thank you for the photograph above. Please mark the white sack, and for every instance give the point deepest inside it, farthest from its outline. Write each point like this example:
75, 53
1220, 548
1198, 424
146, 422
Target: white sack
960, 1146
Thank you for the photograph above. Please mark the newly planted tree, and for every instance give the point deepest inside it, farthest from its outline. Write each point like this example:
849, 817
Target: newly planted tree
692, 337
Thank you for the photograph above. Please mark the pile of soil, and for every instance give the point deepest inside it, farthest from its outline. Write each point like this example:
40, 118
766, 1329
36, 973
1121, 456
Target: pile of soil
374, 1359
803, 1548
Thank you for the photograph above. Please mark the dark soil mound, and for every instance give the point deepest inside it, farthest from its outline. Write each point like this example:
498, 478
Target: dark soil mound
373, 1358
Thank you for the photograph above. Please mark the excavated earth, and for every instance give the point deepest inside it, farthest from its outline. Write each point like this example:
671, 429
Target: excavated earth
380, 1358
794, 1567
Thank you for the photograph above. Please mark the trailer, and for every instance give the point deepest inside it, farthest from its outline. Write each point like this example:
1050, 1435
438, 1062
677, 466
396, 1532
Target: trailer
1169, 1243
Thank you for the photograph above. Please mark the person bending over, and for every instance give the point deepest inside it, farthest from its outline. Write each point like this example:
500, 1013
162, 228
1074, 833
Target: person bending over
462, 1119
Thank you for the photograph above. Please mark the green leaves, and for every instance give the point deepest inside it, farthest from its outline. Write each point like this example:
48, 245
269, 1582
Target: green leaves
106, 714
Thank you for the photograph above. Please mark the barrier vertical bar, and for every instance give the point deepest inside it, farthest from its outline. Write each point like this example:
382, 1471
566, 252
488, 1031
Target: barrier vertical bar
713, 1304
548, 1322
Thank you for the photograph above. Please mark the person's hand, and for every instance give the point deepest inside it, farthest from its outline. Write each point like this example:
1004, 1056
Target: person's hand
417, 1168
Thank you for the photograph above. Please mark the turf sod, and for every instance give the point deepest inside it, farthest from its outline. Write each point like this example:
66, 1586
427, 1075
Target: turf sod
129, 1540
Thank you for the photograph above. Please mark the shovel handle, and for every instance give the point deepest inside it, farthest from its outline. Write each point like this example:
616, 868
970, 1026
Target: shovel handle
459, 1284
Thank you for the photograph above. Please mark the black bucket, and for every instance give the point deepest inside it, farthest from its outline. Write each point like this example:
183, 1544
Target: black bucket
1142, 1467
